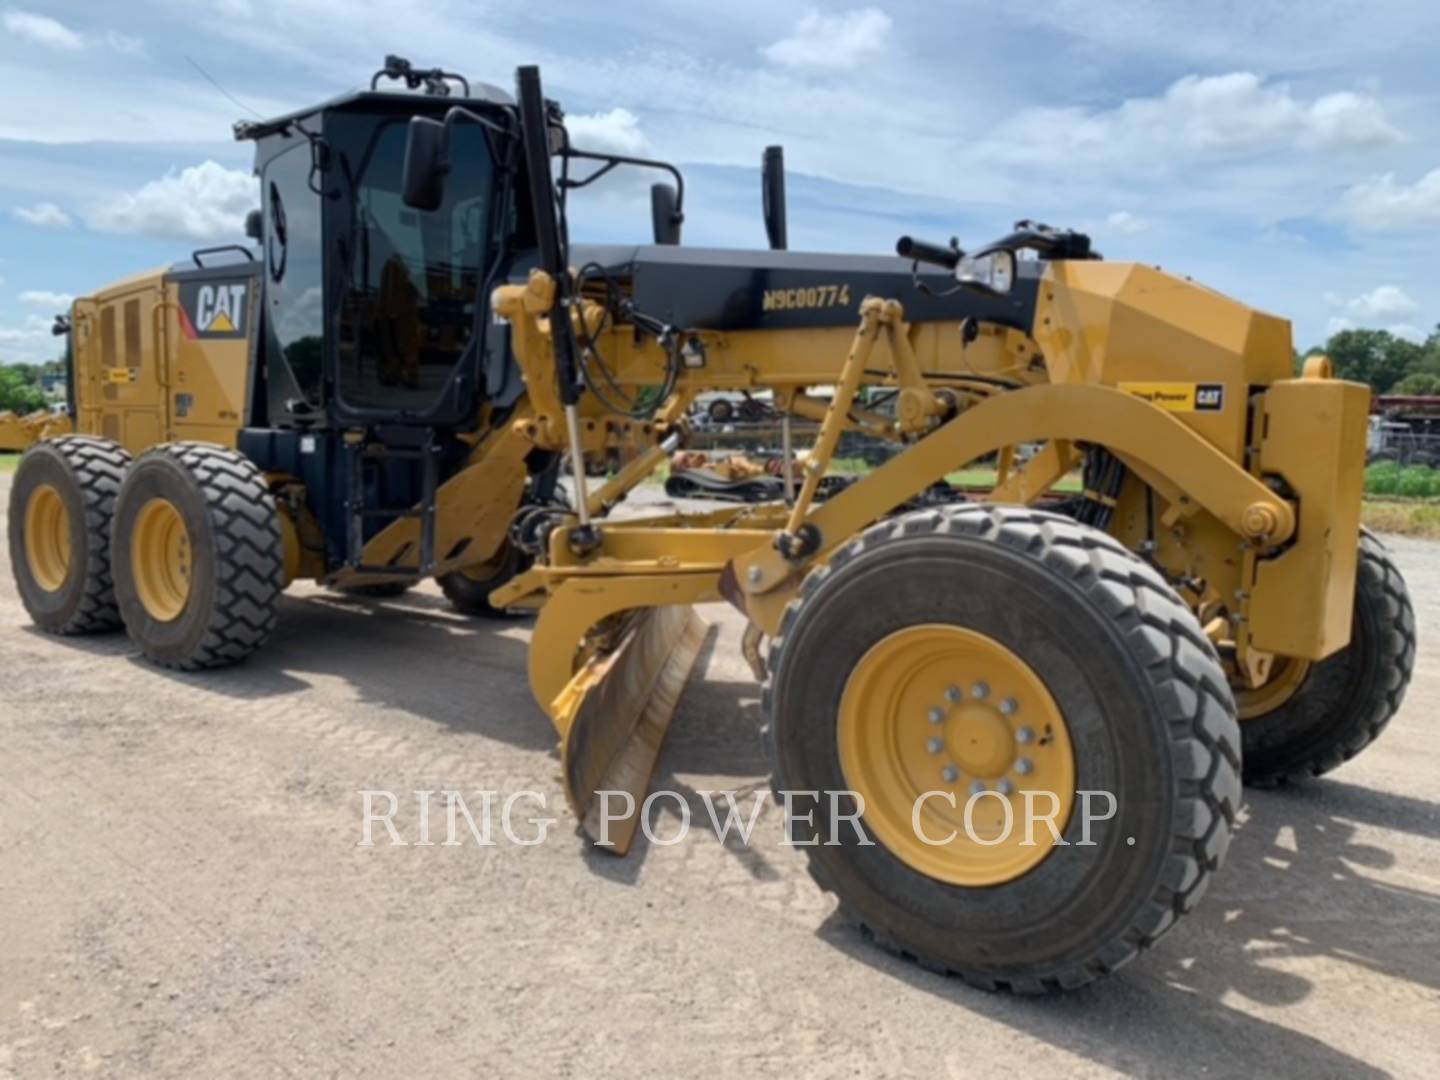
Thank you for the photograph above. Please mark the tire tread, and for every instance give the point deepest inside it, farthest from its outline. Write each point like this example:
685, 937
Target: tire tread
98, 466
249, 554
1182, 664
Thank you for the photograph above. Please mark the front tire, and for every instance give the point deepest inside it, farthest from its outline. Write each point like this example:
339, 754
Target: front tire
468, 590
197, 556
1047, 610
1340, 705
62, 503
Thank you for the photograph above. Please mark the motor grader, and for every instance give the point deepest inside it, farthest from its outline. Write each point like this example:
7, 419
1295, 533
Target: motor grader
385, 390
18, 433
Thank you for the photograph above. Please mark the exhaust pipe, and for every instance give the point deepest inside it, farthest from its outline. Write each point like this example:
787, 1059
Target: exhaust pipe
772, 194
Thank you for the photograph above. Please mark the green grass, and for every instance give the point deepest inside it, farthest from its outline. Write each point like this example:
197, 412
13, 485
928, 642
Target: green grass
964, 478
8, 462
985, 478
1405, 517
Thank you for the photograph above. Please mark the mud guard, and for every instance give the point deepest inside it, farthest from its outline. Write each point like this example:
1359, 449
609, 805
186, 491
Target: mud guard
615, 713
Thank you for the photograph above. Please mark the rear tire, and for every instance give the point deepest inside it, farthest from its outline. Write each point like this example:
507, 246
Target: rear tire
62, 503
469, 590
1346, 700
197, 556
1143, 702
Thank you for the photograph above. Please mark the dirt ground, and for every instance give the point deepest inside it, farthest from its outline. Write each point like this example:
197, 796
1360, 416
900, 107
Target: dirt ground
182, 894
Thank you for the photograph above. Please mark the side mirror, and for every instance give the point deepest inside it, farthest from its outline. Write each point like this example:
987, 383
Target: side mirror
665, 215
422, 182
772, 197
254, 226
991, 271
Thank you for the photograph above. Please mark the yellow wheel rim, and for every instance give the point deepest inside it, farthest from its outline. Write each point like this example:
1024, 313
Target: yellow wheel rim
160, 559
47, 538
486, 571
1286, 676
942, 709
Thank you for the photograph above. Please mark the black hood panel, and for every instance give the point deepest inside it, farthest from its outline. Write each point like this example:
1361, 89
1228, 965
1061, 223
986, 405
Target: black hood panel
729, 289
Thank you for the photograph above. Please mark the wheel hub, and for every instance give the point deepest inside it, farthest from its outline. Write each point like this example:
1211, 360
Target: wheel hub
980, 741
47, 538
160, 560
936, 713
1286, 678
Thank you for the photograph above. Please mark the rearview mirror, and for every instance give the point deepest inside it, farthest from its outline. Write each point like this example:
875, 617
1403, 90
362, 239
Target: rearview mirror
993, 271
253, 226
665, 215
422, 183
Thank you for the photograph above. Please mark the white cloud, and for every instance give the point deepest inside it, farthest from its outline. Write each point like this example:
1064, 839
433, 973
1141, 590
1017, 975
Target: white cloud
1257, 31
832, 42
614, 132
1122, 221
53, 34
1383, 301
1382, 308
202, 202
29, 342
42, 30
42, 298
124, 44
44, 214
1380, 204
1215, 116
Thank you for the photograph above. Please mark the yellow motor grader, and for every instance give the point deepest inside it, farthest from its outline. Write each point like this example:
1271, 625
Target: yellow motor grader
18, 433
1011, 727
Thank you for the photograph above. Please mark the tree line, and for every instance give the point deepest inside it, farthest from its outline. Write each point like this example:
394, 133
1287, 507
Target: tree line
1390, 364
20, 389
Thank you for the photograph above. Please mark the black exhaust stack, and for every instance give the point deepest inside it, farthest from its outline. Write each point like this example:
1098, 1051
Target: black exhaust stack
772, 193
552, 244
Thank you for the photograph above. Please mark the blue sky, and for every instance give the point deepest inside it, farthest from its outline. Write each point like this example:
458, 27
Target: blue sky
1285, 153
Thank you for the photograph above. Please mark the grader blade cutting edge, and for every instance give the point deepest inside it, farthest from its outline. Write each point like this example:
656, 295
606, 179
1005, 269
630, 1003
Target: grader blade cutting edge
615, 714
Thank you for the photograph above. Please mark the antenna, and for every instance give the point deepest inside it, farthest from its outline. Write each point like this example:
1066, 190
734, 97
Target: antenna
232, 98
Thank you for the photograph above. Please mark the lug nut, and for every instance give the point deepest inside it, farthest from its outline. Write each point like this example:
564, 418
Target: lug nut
1005, 787
950, 773
1023, 766
755, 575
978, 787
935, 745
1024, 735
981, 691
953, 694
1009, 707
937, 715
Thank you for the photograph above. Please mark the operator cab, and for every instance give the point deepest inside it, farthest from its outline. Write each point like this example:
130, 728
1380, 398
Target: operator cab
373, 309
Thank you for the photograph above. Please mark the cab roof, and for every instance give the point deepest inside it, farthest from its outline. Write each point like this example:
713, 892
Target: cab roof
481, 94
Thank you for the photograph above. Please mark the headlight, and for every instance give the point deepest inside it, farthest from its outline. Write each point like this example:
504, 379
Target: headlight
994, 270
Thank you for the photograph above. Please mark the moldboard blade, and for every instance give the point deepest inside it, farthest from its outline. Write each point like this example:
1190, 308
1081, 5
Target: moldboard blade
620, 706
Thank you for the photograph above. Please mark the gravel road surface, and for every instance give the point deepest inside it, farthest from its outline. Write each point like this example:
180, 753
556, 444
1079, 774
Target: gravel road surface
182, 894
